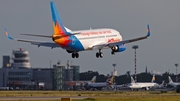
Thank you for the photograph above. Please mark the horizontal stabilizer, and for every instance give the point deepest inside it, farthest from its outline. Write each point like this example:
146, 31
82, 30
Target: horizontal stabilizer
60, 36
33, 42
37, 35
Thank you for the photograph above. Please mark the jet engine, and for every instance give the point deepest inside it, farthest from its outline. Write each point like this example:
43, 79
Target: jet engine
119, 48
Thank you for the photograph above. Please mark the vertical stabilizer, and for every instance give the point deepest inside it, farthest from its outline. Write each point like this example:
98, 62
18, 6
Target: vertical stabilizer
132, 80
93, 79
58, 26
153, 78
110, 80
162, 84
170, 80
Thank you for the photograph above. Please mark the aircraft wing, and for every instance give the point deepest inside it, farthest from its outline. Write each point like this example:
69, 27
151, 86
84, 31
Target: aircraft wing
131, 40
100, 46
33, 42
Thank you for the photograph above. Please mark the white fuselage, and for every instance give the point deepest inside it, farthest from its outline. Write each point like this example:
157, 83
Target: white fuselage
141, 85
93, 37
174, 84
95, 85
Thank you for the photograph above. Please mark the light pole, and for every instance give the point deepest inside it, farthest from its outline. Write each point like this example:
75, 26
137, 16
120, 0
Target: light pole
176, 64
135, 47
114, 65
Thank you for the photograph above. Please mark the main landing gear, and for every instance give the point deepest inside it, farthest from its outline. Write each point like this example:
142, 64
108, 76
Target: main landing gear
112, 52
99, 54
75, 55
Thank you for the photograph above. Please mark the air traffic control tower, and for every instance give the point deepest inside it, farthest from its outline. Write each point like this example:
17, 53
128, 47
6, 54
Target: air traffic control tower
20, 58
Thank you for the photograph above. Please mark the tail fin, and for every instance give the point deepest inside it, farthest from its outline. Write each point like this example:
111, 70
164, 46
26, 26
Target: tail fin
110, 80
93, 79
148, 31
58, 26
132, 80
153, 78
162, 84
170, 80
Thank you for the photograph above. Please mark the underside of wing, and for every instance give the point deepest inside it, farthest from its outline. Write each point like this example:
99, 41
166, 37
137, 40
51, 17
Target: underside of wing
40, 43
98, 45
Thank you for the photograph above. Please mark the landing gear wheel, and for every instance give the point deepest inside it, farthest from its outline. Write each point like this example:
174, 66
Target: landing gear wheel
73, 55
77, 55
101, 54
97, 55
112, 52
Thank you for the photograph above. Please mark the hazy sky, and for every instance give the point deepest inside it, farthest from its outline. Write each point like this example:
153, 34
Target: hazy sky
159, 52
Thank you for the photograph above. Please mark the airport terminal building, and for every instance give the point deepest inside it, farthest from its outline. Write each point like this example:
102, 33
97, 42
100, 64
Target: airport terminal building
20, 75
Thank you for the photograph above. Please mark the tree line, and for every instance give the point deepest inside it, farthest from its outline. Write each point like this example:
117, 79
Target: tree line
123, 79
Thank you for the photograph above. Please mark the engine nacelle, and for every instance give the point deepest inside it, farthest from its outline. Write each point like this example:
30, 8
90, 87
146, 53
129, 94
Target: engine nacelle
119, 48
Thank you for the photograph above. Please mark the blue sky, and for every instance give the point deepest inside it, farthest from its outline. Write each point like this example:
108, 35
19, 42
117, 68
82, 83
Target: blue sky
159, 52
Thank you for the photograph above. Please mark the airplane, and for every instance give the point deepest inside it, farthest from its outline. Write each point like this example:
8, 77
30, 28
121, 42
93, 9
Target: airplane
82, 83
82, 40
160, 86
141, 85
174, 84
91, 81
100, 85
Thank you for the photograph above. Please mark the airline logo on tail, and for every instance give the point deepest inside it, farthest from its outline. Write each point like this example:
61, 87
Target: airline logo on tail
110, 80
153, 78
60, 32
57, 23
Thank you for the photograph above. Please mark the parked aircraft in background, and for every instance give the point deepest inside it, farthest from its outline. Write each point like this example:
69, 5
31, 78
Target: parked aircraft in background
82, 40
141, 85
93, 80
100, 85
174, 84
160, 86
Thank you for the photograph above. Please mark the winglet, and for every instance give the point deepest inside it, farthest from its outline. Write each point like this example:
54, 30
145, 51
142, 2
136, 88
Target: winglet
9, 37
148, 31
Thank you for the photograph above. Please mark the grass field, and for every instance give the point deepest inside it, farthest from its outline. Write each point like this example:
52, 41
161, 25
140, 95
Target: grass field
98, 95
